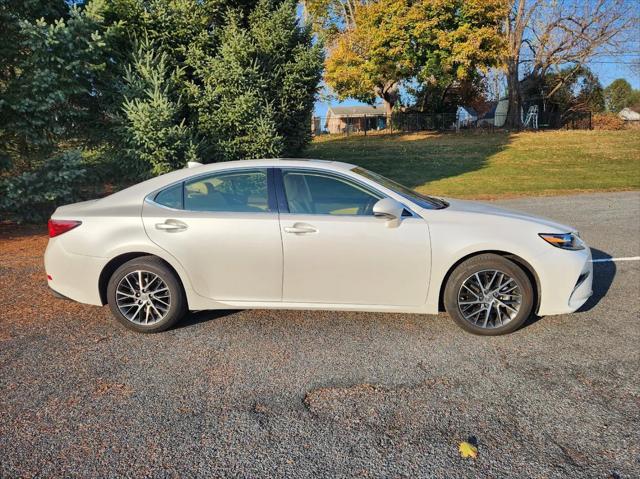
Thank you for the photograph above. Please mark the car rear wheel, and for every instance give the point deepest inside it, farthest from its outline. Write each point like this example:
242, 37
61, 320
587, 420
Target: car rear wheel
145, 295
489, 295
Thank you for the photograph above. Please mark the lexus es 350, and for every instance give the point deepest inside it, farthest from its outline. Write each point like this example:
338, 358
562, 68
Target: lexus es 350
308, 234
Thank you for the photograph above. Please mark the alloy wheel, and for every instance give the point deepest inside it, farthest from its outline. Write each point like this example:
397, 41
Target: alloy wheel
143, 297
489, 299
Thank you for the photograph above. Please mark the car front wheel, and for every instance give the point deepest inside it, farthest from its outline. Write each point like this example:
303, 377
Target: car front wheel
145, 295
489, 295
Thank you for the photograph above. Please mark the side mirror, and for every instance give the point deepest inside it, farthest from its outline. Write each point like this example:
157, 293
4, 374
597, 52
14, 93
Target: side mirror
389, 209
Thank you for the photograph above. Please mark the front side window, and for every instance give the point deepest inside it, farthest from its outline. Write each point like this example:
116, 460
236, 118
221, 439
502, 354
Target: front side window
239, 191
321, 194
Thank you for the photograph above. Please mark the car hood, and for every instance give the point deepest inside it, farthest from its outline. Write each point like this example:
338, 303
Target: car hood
473, 207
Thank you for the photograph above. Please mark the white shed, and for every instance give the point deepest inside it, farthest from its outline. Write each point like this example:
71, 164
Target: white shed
627, 114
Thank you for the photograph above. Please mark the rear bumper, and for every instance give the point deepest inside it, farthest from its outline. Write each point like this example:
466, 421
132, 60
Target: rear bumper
73, 276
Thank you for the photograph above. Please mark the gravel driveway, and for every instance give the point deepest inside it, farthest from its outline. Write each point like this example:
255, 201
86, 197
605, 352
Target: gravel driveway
325, 394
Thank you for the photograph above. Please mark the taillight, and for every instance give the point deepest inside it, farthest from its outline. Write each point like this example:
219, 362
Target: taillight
57, 227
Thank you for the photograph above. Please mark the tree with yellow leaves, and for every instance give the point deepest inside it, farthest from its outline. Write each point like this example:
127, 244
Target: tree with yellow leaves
380, 44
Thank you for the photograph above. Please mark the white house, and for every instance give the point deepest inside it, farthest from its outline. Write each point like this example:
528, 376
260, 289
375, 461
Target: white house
627, 114
343, 119
465, 116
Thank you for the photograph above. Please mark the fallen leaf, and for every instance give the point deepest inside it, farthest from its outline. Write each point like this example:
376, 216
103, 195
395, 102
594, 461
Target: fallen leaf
467, 449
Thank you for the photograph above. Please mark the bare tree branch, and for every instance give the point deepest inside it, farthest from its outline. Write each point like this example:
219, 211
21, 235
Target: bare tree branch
558, 33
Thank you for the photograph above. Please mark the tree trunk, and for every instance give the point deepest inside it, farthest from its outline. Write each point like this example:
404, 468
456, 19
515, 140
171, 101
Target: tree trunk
389, 95
514, 118
388, 105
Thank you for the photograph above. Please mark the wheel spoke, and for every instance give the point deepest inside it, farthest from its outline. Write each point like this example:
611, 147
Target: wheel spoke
479, 283
156, 291
486, 317
508, 307
474, 314
488, 286
161, 301
140, 306
471, 291
498, 314
129, 283
126, 294
153, 280
156, 310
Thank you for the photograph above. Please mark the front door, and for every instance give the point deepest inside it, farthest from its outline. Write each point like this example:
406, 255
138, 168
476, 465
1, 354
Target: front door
336, 251
223, 228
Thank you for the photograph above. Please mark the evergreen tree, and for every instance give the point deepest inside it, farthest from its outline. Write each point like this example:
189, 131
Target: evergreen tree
254, 98
156, 135
168, 80
51, 94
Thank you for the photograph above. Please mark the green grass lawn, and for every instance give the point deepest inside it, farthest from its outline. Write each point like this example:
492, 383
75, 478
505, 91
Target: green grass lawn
495, 165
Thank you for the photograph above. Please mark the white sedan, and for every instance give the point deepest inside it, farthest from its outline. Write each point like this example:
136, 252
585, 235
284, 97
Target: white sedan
309, 234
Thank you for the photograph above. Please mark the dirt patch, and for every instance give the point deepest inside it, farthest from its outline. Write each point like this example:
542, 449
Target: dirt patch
375, 406
104, 388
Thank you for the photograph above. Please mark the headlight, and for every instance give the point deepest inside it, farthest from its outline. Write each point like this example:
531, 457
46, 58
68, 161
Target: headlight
570, 241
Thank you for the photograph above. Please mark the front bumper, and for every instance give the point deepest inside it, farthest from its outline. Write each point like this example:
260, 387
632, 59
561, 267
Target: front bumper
583, 288
566, 281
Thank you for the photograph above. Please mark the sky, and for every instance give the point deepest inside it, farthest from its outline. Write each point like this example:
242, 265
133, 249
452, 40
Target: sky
610, 68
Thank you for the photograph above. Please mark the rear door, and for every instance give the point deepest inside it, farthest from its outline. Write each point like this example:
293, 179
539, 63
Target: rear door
223, 228
337, 252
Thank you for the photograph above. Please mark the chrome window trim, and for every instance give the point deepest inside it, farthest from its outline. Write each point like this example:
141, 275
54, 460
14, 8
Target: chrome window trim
149, 198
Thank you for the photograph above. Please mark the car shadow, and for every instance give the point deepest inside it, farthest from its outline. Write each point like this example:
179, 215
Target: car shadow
197, 317
603, 274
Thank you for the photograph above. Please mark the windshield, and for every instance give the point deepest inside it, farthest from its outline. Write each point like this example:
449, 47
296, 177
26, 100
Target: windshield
424, 201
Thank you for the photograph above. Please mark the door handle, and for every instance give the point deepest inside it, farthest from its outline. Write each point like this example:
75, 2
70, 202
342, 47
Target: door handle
300, 228
171, 225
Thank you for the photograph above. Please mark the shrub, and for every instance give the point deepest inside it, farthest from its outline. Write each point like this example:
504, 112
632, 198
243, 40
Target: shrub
33, 195
607, 121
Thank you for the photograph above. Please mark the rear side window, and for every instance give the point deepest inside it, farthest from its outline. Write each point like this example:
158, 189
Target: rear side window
240, 191
171, 197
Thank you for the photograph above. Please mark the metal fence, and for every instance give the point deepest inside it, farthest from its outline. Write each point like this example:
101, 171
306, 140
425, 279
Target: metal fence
407, 122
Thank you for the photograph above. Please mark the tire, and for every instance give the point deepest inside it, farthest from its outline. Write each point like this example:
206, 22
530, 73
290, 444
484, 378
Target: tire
474, 283
154, 309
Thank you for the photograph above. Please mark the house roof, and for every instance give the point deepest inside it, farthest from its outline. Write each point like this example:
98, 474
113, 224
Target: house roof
469, 110
491, 113
357, 110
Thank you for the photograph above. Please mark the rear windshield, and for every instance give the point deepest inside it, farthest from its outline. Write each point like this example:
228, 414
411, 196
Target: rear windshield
428, 202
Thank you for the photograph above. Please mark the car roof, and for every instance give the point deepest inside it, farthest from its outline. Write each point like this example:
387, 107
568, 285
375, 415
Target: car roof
281, 162
134, 193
